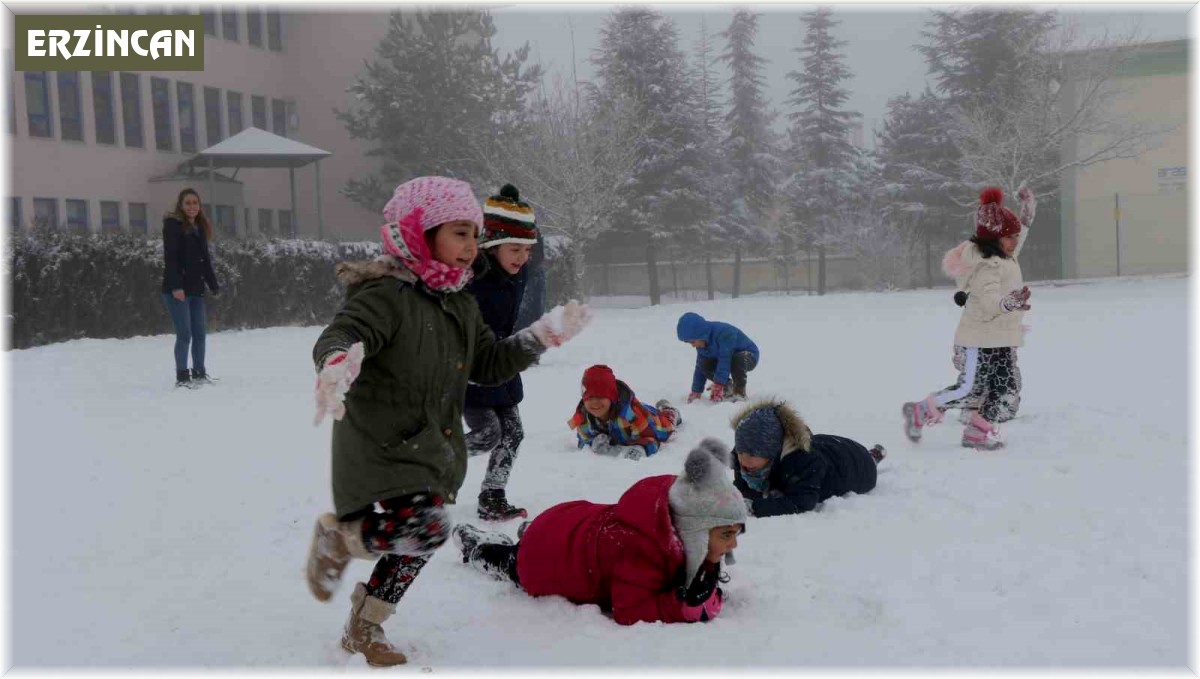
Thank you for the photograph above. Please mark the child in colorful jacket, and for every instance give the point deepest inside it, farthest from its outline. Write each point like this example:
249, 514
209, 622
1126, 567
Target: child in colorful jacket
611, 420
723, 354
392, 370
654, 556
989, 332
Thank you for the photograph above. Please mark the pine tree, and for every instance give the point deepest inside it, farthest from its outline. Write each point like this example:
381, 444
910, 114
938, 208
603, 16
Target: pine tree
639, 60
747, 148
919, 165
820, 132
436, 91
709, 113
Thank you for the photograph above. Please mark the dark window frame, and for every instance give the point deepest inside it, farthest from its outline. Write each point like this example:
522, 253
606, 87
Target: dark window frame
106, 122
212, 107
69, 91
162, 109
258, 105
42, 121
239, 118
229, 23
274, 30
187, 137
53, 217
279, 117
138, 225
106, 225
133, 124
254, 26
74, 225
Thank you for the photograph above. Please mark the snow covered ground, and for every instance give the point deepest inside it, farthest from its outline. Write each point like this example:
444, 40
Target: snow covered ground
155, 527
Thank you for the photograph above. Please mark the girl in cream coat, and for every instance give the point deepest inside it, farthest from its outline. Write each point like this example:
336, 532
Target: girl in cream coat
986, 268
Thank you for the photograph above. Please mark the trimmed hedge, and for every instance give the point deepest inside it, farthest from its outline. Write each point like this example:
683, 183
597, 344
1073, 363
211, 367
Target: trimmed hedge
68, 286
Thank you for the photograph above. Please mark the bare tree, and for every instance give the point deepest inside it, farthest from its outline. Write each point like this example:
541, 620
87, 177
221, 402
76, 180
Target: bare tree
1051, 106
578, 151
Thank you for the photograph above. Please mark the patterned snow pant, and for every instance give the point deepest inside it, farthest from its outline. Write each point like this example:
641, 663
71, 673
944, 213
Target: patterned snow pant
407, 530
496, 431
742, 363
1008, 408
987, 381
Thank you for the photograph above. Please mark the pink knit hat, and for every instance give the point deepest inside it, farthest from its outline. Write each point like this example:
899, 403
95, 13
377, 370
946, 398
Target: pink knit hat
418, 206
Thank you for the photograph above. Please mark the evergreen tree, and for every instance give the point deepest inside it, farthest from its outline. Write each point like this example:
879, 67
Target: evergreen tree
918, 168
436, 91
747, 146
707, 88
822, 151
639, 61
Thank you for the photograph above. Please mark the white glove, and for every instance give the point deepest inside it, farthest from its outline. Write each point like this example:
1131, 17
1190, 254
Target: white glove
601, 445
340, 369
560, 324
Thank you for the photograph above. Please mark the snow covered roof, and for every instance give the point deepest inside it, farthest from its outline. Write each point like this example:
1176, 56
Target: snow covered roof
253, 147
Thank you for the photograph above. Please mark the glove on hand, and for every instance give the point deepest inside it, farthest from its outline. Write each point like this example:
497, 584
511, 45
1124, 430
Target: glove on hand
703, 599
602, 445
1017, 300
692, 396
718, 392
560, 324
333, 381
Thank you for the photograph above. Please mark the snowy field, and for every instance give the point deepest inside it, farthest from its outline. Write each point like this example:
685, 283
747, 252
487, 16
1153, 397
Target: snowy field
163, 528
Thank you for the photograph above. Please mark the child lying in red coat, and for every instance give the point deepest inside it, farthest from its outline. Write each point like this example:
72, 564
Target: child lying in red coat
653, 556
611, 420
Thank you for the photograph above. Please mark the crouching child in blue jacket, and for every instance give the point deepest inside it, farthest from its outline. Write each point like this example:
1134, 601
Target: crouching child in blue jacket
724, 354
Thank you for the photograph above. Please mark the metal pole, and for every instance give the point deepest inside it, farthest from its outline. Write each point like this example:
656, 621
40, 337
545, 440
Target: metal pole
1117, 219
292, 186
320, 217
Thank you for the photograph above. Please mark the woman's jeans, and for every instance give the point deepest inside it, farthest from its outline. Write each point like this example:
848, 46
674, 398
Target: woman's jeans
188, 317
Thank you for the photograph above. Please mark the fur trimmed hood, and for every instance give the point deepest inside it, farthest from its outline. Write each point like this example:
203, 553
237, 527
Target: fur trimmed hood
355, 272
962, 260
796, 434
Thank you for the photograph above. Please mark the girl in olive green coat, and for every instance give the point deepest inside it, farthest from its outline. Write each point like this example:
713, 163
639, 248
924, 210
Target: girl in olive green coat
393, 368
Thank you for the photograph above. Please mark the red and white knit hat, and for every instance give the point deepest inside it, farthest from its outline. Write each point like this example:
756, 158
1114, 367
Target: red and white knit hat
992, 219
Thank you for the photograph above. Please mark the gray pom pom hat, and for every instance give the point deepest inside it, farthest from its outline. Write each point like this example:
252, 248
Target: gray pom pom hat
702, 498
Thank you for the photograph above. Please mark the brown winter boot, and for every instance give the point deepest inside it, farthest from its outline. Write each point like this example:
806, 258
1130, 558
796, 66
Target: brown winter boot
334, 543
363, 633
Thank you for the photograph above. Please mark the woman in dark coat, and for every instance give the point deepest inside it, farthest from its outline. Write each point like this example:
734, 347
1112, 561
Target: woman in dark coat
783, 468
187, 269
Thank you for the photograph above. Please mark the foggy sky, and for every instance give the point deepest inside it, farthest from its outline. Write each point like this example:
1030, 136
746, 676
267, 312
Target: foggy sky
879, 50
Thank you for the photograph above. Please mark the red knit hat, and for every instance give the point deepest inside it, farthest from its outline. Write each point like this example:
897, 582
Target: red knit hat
992, 219
600, 381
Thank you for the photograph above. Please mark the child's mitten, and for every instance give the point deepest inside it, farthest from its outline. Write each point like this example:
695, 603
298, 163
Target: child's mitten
338, 371
1017, 300
702, 599
718, 392
560, 324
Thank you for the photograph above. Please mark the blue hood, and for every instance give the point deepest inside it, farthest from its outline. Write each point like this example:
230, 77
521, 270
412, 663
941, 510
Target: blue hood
692, 326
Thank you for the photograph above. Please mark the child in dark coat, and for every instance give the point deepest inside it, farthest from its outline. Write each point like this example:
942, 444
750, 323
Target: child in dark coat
653, 556
782, 468
724, 354
509, 233
611, 420
392, 370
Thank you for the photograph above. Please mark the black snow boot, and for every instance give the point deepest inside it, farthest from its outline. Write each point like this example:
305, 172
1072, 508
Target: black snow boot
183, 379
493, 506
200, 377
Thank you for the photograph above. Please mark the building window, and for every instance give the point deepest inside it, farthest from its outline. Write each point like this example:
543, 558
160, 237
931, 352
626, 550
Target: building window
278, 117
110, 216
229, 23
137, 217
70, 106
246, 221
12, 103
274, 30
102, 101
181, 9
131, 105
164, 133
233, 100
265, 226
187, 116
212, 114
254, 26
210, 21
227, 220
285, 224
37, 103
15, 214
77, 215
258, 106
45, 213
